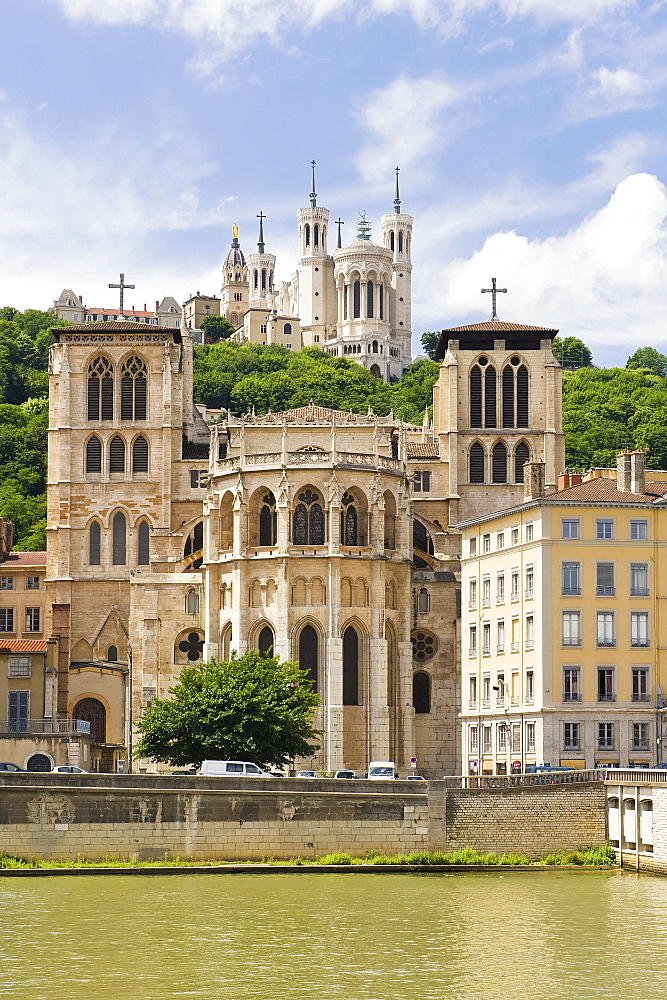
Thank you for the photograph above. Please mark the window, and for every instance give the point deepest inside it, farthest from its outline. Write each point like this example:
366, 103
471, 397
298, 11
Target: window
571, 585
530, 580
421, 482
100, 389
94, 534
521, 456
133, 388
639, 629
17, 711
472, 645
486, 543
421, 693
308, 521
571, 735
515, 536
93, 455
514, 596
572, 628
500, 690
476, 463
32, 583
640, 736
605, 735
486, 690
640, 690
112, 654
140, 455
19, 666
143, 544
472, 739
570, 527
6, 619
500, 540
501, 637
486, 739
530, 736
530, 687
486, 638
192, 602
356, 299
118, 537
605, 628
473, 546
117, 455
638, 579
472, 594
604, 529
472, 691
638, 531
198, 479
6, 582
268, 521
500, 588
486, 591
530, 532
606, 684
502, 736
499, 463
423, 601
571, 690
350, 666
605, 580
530, 632
33, 619
309, 654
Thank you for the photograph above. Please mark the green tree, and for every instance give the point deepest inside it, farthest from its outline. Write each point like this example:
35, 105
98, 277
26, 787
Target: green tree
572, 352
216, 328
650, 359
251, 707
430, 342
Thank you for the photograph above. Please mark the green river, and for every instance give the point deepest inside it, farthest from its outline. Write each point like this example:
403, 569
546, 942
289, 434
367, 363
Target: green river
533, 936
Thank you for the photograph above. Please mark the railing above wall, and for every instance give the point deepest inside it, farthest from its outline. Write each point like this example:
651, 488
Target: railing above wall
519, 780
49, 727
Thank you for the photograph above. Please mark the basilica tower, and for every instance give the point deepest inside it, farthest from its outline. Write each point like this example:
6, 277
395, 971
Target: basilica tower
261, 268
234, 293
315, 292
397, 236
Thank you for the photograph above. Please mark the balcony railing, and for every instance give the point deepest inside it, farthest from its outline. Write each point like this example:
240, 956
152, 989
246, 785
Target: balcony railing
641, 697
43, 726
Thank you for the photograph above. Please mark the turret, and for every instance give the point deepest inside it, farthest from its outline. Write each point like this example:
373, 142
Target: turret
234, 299
316, 303
261, 268
397, 237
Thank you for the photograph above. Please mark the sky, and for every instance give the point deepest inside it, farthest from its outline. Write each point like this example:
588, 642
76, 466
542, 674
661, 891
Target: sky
530, 136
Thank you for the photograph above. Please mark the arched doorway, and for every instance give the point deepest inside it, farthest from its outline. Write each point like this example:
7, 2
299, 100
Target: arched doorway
265, 641
93, 711
39, 762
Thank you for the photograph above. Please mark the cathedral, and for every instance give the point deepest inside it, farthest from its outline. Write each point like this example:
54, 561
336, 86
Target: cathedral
327, 536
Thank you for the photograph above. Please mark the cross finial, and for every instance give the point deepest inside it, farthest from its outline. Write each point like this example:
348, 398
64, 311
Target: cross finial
260, 242
363, 227
122, 287
397, 198
339, 223
313, 196
494, 291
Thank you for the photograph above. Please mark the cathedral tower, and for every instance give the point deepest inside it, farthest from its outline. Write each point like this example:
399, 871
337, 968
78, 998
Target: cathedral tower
234, 293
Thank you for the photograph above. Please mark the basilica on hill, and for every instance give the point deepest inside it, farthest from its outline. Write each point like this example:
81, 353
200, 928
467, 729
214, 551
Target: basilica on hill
327, 536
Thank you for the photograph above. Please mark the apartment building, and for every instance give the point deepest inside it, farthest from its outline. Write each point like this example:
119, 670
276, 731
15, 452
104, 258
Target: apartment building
562, 637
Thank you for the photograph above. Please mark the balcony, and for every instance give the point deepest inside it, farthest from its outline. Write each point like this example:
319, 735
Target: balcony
640, 644
486, 650
606, 697
641, 697
500, 648
571, 591
530, 593
569, 696
606, 643
515, 647
572, 746
50, 727
605, 591
472, 605
641, 745
530, 644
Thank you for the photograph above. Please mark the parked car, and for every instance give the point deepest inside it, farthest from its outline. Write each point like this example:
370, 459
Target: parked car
344, 774
416, 777
6, 766
184, 773
382, 770
659, 767
306, 774
545, 768
231, 769
68, 769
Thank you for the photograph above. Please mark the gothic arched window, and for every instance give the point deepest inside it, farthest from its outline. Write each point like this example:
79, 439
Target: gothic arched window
263, 279
118, 531
476, 397
349, 521
268, 521
369, 299
265, 641
490, 413
133, 390
400, 241
508, 396
421, 693
140, 455
117, 455
255, 278
100, 389
308, 520
143, 544
350, 666
94, 538
522, 397
521, 456
476, 463
308, 653
94, 455
499, 463
112, 654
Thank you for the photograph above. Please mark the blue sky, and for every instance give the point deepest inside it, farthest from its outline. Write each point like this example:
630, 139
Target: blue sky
530, 135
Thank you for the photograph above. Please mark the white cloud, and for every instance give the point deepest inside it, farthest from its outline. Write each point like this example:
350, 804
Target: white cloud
618, 83
602, 281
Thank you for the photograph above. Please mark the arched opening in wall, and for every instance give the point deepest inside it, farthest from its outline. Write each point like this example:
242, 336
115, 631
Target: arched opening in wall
307, 234
194, 545
308, 519
421, 693
189, 647
287, 329
117, 455
508, 396
143, 544
94, 540
192, 602
354, 518
39, 763
392, 241
255, 281
389, 520
133, 390
490, 401
112, 654
375, 370
140, 455
226, 521
309, 653
316, 235
476, 397
119, 539
93, 711
100, 389
522, 397
226, 641
423, 601
476, 463
374, 347
344, 301
369, 299
400, 241
350, 666
268, 520
422, 544
521, 456
392, 665
356, 299
265, 641
499, 463
93, 455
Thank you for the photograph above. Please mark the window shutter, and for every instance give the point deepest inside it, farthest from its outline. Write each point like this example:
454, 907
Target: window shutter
477, 464
476, 397
499, 463
490, 409
508, 397
522, 397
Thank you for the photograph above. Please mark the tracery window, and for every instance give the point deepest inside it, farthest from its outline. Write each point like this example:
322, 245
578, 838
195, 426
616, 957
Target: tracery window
268, 521
349, 521
265, 641
94, 538
308, 653
100, 389
308, 520
133, 389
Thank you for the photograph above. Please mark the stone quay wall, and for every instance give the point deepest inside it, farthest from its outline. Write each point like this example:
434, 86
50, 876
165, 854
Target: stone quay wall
146, 817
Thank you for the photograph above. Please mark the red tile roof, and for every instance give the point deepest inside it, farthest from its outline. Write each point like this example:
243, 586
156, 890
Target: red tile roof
499, 326
23, 645
423, 449
25, 559
112, 326
601, 490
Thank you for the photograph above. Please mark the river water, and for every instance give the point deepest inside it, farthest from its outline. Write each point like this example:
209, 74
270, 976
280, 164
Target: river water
533, 936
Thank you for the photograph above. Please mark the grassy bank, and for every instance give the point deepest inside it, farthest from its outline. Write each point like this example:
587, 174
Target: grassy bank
588, 857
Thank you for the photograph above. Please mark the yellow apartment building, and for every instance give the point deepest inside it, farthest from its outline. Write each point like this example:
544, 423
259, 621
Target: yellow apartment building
563, 640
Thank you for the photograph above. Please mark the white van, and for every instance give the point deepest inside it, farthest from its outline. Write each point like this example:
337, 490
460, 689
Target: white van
230, 769
382, 770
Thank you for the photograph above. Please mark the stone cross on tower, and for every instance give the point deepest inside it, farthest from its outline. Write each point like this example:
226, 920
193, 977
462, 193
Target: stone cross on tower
313, 196
494, 291
122, 287
260, 244
339, 223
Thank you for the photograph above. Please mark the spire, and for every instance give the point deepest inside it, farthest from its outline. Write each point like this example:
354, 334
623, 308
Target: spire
313, 196
260, 242
339, 223
363, 227
397, 198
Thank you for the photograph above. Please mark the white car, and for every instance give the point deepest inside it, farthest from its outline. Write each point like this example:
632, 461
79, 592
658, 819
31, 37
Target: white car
68, 769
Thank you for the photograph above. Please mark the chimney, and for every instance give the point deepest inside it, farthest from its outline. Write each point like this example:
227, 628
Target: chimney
623, 472
638, 472
533, 481
567, 479
157, 305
